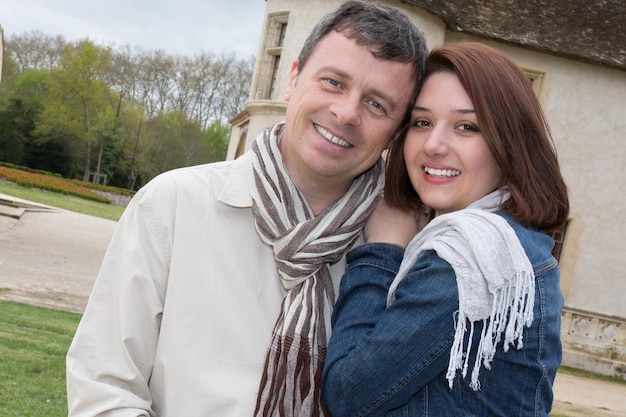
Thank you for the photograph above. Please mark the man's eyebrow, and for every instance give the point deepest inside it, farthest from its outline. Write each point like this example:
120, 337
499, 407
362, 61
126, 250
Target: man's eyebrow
335, 70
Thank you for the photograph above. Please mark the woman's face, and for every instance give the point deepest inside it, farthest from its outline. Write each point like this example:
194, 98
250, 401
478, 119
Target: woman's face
447, 158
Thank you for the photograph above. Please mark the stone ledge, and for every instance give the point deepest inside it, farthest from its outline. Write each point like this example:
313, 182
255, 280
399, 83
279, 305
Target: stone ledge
14, 202
594, 342
589, 363
10, 211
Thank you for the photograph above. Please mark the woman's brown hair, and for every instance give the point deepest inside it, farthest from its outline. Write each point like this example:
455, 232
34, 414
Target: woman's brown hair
515, 129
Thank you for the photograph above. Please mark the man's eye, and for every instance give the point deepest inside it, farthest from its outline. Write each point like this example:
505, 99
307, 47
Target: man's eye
376, 105
333, 82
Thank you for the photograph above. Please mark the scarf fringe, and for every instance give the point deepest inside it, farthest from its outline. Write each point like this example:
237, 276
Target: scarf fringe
294, 362
512, 310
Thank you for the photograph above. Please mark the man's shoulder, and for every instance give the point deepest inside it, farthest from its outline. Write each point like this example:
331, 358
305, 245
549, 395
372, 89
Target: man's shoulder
214, 172
224, 181
212, 168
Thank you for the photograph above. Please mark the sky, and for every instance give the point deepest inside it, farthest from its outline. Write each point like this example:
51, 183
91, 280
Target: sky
179, 27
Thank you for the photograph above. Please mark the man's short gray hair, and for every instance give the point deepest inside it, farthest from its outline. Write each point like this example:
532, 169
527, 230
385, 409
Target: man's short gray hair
386, 30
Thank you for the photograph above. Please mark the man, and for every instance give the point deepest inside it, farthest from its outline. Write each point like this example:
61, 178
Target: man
214, 296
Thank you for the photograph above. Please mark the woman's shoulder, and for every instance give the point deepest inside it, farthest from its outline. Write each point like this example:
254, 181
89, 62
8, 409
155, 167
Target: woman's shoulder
537, 244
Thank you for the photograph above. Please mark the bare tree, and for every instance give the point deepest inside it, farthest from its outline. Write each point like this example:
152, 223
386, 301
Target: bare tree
35, 50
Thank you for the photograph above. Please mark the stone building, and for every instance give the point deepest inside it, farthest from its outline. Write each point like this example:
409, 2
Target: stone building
574, 52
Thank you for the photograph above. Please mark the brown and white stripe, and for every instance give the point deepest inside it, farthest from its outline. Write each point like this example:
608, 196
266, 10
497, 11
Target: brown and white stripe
304, 246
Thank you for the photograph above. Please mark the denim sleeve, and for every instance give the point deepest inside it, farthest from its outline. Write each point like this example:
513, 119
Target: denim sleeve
379, 357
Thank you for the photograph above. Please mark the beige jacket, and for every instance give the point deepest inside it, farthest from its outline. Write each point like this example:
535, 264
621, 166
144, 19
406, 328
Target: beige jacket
184, 305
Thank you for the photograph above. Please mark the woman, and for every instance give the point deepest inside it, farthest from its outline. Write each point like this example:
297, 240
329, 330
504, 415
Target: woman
466, 321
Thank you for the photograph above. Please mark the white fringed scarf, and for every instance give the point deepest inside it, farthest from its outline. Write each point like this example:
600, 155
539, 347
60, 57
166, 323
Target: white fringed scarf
304, 245
495, 279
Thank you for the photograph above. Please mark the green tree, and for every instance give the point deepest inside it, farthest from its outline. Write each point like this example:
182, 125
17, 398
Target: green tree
122, 112
79, 100
109, 126
118, 151
22, 99
216, 139
173, 141
15, 126
9, 74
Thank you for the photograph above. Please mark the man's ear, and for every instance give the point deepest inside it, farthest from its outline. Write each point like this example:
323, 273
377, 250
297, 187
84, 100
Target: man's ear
293, 78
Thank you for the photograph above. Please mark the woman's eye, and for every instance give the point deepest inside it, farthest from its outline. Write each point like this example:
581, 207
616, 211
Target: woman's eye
466, 127
421, 123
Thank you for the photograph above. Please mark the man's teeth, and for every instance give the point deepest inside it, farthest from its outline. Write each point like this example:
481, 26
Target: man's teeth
443, 173
332, 138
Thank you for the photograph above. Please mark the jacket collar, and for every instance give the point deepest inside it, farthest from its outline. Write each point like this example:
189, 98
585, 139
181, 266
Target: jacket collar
236, 191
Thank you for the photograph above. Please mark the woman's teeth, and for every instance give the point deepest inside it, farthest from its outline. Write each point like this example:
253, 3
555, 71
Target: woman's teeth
443, 173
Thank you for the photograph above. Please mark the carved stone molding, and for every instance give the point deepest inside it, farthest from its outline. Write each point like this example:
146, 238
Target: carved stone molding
600, 339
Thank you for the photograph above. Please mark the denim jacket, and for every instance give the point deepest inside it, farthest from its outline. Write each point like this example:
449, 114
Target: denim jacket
392, 361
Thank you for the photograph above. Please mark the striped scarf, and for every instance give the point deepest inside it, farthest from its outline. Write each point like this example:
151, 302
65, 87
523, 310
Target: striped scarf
304, 246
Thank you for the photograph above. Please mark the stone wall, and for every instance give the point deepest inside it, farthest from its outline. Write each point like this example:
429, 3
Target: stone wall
594, 342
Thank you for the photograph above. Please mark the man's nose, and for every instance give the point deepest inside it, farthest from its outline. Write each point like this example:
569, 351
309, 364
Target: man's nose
347, 109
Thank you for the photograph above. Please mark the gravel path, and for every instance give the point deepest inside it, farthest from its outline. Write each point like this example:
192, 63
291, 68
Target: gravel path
50, 257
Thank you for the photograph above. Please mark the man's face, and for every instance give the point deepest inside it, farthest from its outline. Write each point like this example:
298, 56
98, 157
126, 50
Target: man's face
344, 108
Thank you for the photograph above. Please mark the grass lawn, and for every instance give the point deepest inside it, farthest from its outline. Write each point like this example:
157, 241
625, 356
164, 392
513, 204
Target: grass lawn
67, 202
33, 344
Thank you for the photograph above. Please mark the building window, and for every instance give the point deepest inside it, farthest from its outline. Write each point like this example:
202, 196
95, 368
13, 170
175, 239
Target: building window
536, 79
270, 62
241, 145
559, 237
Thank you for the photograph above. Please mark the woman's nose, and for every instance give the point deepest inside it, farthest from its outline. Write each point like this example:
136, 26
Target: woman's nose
437, 142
